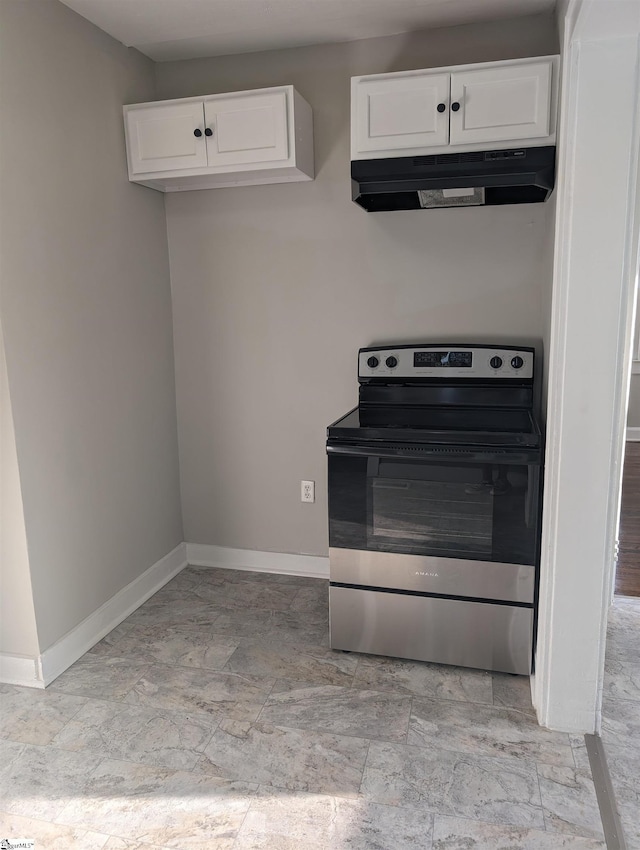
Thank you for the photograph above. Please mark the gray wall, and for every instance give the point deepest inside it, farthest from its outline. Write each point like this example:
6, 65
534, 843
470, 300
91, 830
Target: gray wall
275, 288
86, 312
18, 635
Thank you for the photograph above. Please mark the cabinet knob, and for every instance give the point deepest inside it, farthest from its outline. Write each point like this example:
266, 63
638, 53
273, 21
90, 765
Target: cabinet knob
455, 106
441, 107
197, 133
208, 131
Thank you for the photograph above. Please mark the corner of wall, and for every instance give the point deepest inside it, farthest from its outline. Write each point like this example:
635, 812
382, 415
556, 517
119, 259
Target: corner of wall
39, 670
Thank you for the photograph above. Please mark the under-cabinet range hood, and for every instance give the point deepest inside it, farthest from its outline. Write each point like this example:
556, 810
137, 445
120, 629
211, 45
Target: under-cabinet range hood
474, 178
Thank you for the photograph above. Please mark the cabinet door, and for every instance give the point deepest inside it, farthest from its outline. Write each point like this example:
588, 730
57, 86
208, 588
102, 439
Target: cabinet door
401, 112
501, 103
245, 129
161, 138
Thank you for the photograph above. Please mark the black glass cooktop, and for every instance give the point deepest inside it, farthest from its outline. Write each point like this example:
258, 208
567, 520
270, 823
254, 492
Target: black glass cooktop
437, 425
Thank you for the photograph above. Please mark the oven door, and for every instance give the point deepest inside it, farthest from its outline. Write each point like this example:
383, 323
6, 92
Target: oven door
439, 503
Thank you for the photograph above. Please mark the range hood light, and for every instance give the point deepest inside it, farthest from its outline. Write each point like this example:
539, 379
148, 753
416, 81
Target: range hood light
457, 193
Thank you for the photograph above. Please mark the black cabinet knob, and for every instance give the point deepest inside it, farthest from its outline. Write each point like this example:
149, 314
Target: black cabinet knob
391, 362
197, 133
517, 362
372, 362
441, 107
495, 362
208, 131
455, 106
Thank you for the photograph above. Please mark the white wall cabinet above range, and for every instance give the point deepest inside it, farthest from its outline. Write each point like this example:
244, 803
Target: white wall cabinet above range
239, 139
461, 108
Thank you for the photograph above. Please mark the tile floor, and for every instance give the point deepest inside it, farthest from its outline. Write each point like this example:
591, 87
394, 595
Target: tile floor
217, 718
621, 712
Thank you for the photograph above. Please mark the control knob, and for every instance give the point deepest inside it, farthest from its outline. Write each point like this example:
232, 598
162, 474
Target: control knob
391, 362
372, 362
517, 362
495, 362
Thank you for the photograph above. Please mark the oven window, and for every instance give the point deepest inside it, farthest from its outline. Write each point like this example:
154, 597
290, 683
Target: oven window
433, 513
481, 511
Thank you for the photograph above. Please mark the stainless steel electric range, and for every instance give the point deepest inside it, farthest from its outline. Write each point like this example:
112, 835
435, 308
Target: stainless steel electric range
434, 507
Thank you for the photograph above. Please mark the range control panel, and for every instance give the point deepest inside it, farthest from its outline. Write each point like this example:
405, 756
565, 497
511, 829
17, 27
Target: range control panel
445, 362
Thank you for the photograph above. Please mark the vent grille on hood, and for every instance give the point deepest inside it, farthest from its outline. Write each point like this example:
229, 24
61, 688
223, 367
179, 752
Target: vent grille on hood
449, 158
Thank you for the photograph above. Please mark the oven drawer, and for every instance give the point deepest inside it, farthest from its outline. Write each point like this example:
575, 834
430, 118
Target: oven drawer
444, 631
429, 574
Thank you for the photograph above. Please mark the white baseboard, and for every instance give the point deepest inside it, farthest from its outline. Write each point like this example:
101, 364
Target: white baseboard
86, 634
39, 671
20, 670
203, 555
633, 435
57, 658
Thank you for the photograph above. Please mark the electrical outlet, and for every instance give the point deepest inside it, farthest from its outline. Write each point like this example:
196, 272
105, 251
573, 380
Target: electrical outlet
307, 491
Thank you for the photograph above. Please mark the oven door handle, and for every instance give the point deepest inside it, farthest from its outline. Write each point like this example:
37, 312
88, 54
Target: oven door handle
479, 454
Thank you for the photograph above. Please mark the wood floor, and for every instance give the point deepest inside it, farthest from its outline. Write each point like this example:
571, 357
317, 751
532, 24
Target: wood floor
628, 571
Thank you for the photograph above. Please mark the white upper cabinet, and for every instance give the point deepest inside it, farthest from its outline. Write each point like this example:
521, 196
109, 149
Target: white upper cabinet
247, 129
402, 113
161, 138
462, 108
501, 103
239, 139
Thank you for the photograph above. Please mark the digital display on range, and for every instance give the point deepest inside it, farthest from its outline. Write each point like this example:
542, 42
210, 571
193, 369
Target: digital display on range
453, 359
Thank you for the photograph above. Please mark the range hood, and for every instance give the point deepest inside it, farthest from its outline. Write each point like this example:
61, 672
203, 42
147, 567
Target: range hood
474, 178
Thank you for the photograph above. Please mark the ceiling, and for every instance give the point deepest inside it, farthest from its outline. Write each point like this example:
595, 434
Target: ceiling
166, 30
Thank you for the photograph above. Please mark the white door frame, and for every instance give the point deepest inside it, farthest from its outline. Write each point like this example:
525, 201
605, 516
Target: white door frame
595, 266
